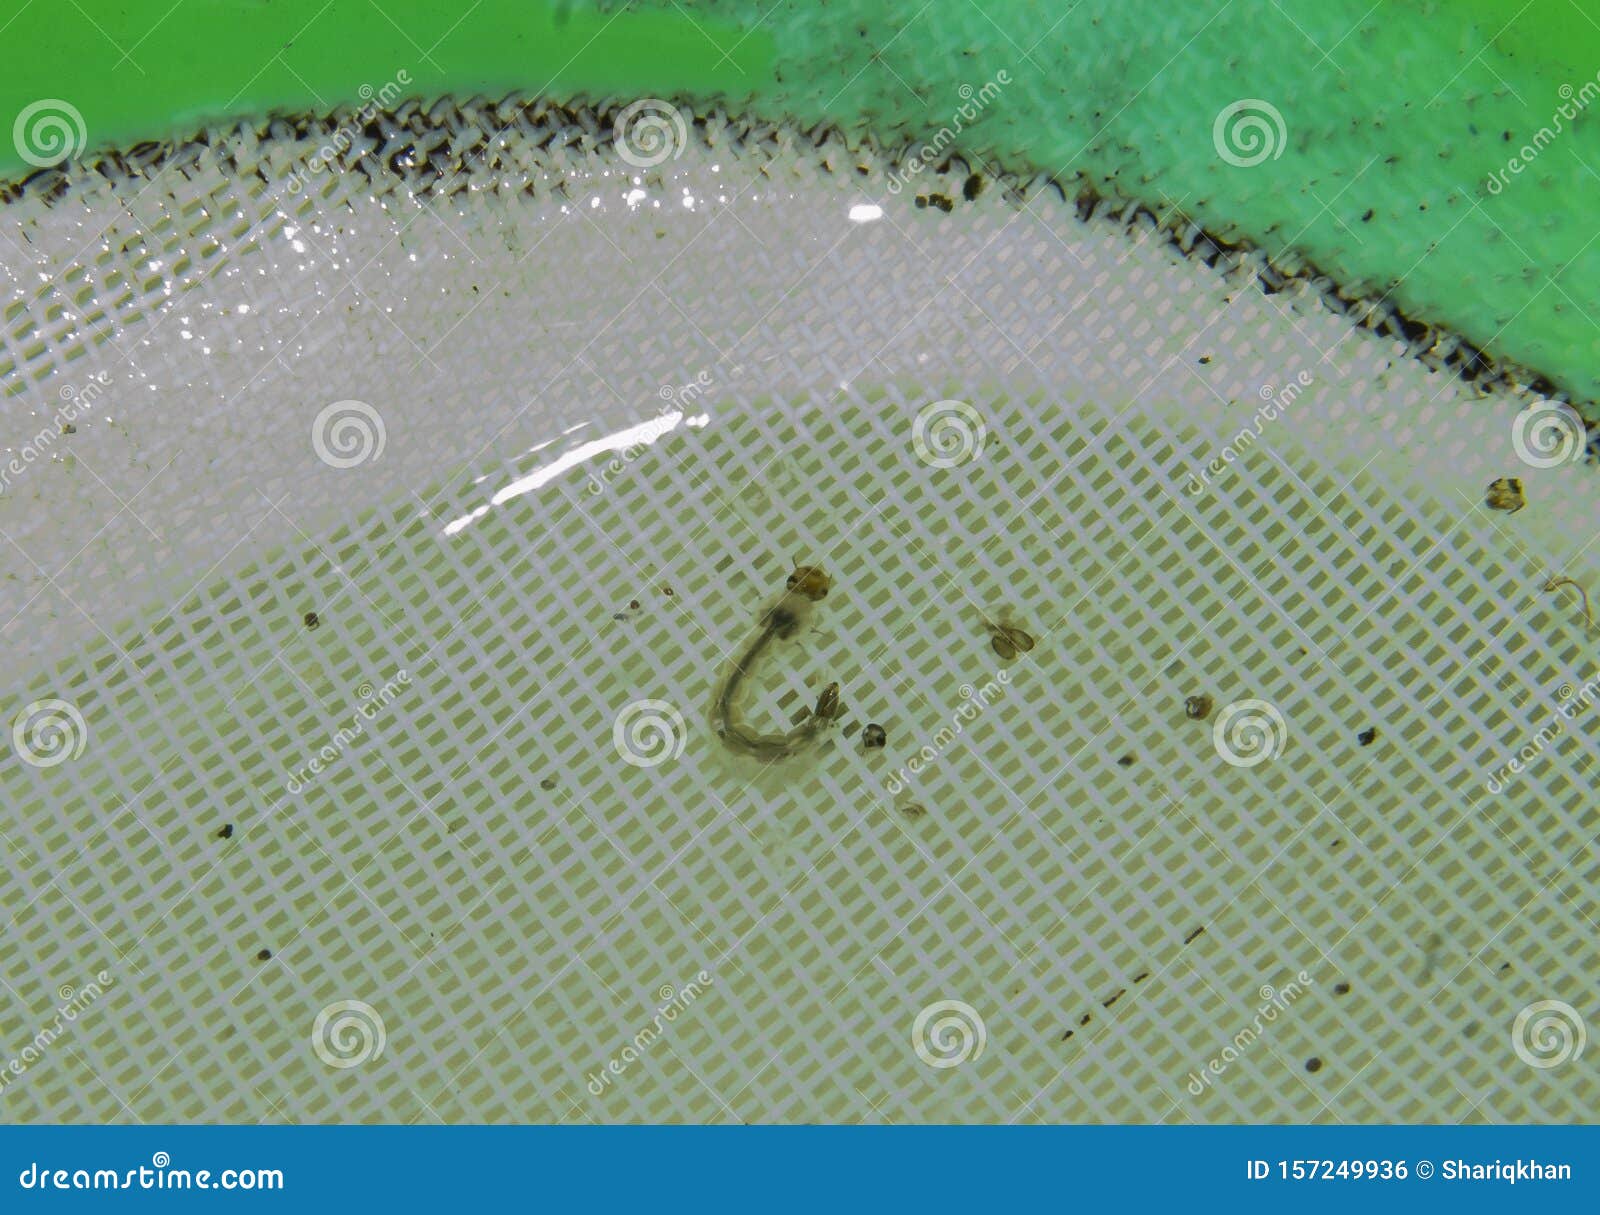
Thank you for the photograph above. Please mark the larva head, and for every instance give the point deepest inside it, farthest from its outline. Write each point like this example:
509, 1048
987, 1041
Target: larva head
810, 581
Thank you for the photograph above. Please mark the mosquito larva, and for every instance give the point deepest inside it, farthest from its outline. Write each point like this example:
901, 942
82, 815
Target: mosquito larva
805, 586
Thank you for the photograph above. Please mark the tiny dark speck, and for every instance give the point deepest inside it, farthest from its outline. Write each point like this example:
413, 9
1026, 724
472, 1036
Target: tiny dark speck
1313, 1064
226, 833
1204, 359
547, 784
1367, 218
1366, 736
264, 956
1341, 989
312, 620
1126, 761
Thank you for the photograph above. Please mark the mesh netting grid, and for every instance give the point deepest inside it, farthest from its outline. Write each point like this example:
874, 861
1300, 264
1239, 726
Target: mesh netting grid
512, 899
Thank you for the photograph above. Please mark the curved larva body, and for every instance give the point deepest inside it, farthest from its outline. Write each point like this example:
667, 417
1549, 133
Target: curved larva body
782, 621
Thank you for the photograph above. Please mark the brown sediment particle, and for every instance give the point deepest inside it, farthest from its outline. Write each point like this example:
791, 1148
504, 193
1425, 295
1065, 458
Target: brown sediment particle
1193, 934
1197, 708
1505, 494
1007, 640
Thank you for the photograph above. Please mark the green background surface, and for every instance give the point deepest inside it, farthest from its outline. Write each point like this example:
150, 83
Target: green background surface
1395, 114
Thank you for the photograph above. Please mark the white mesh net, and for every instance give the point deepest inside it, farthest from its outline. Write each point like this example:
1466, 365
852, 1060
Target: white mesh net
360, 690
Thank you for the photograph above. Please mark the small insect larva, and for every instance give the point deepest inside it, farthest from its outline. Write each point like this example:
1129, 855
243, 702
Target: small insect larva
1555, 584
806, 585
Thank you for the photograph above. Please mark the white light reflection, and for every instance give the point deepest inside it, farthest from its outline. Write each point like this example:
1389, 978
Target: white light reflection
641, 435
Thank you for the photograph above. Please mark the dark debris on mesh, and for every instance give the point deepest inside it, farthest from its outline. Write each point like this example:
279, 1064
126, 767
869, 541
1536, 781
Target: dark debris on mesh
448, 147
